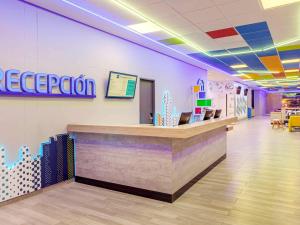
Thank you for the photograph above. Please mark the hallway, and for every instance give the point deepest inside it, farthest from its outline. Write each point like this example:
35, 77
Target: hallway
258, 184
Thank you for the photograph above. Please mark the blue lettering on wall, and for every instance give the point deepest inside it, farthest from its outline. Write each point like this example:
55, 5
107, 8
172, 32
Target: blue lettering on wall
24, 82
30, 84
12, 83
1, 78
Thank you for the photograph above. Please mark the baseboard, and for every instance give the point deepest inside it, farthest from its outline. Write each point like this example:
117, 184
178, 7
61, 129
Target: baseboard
165, 197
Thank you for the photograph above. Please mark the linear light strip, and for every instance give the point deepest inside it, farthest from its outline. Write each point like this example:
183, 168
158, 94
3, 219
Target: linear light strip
165, 29
121, 26
288, 61
257, 71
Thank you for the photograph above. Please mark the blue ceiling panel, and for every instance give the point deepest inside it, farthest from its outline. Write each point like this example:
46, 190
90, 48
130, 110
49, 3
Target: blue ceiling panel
291, 54
217, 52
252, 61
213, 62
270, 52
257, 35
240, 49
291, 66
251, 28
229, 60
260, 43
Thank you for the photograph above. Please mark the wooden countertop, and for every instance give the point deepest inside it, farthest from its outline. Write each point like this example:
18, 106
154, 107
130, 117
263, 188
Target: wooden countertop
183, 131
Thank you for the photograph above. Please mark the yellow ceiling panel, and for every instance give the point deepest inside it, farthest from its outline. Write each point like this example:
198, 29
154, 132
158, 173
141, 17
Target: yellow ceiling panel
293, 74
252, 76
266, 77
288, 48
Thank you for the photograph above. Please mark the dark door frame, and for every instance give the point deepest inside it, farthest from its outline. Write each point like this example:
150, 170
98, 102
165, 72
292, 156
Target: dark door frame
153, 94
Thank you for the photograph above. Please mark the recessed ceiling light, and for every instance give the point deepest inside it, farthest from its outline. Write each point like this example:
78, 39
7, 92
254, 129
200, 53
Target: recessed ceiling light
267, 4
258, 71
291, 70
238, 75
287, 61
239, 66
145, 28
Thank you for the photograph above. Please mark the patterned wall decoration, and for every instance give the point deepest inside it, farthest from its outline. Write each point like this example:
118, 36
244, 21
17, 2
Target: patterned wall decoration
241, 103
53, 164
217, 91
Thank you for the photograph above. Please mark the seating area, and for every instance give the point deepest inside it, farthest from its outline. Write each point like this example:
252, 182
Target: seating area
286, 118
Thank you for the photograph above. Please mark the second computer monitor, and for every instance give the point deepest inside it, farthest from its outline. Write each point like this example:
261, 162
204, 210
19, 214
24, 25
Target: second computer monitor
217, 113
208, 114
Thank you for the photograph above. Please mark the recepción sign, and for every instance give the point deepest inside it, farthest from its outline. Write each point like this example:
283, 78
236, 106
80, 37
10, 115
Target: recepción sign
28, 84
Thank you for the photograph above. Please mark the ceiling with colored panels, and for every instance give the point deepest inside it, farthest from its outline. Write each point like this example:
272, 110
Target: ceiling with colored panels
255, 40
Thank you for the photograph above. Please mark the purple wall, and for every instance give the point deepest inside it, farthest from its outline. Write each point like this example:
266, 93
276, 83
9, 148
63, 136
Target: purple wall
260, 102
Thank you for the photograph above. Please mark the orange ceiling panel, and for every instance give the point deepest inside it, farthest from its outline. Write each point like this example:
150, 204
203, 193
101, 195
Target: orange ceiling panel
273, 63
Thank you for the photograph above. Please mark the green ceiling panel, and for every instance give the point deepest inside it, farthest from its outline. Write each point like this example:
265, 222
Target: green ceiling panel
172, 41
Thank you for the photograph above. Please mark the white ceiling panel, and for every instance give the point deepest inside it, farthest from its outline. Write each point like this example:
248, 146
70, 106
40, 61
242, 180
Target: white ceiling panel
174, 21
184, 30
204, 15
236, 44
214, 25
283, 33
230, 39
157, 36
207, 43
139, 3
191, 5
158, 10
240, 7
222, 2
246, 18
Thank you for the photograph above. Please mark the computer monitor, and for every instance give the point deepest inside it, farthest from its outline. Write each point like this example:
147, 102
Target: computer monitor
217, 113
185, 118
209, 113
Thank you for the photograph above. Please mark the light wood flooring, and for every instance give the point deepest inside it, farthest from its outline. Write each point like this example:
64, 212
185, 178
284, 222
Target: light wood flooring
258, 184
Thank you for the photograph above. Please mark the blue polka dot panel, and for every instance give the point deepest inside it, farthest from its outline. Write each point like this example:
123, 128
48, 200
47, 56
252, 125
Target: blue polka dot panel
53, 164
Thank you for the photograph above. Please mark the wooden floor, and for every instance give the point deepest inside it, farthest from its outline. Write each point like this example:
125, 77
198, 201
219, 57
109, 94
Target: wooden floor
258, 183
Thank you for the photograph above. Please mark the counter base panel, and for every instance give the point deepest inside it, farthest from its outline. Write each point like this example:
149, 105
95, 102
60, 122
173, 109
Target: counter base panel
165, 197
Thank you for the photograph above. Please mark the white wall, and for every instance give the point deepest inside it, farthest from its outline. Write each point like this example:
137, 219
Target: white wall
35, 40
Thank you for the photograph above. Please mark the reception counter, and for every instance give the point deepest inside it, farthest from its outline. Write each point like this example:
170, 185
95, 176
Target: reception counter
154, 162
